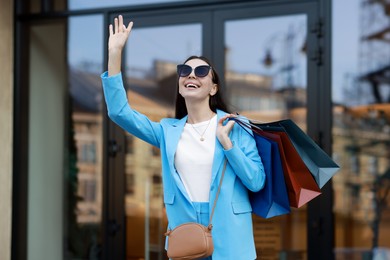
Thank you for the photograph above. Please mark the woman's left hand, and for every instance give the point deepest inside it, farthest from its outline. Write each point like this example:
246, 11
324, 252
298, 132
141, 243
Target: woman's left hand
223, 130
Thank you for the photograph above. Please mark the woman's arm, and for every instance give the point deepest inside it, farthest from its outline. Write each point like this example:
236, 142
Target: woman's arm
244, 159
118, 107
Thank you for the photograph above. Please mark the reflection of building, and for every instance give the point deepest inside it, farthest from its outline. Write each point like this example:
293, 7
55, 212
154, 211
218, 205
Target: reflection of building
362, 138
362, 145
143, 202
251, 92
88, 133
87, 125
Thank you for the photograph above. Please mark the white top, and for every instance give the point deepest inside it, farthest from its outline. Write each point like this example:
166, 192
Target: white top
194, 158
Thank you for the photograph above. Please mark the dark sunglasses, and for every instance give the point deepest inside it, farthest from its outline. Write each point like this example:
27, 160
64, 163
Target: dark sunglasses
184, 70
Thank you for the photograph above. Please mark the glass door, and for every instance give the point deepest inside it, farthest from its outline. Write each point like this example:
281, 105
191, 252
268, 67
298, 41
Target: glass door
266, 57
266, 76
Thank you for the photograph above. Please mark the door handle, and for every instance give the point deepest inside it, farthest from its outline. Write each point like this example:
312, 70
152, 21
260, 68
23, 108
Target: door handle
113, 227
113, 148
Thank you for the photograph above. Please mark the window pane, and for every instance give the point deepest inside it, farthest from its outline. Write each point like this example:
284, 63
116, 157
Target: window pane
266, 80
361, 128
84, 181
151, 79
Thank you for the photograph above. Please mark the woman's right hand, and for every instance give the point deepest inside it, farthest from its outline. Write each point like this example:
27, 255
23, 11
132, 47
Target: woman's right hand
119, 34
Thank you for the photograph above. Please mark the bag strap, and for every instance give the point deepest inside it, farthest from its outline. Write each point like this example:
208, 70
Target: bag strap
216, 196
247, 125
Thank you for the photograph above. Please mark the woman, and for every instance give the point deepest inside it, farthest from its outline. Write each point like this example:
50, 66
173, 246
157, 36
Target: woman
194, 146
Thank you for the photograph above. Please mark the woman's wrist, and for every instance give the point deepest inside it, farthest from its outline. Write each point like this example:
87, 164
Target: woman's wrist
114, 62
226, 143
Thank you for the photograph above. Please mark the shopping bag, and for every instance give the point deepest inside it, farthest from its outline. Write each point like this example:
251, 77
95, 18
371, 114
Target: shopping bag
272, 200
301, 186
319, 163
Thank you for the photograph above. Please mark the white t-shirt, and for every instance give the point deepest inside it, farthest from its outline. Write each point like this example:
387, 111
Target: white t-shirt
194, 158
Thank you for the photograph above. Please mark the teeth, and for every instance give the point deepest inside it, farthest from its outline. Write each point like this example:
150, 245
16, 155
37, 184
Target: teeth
191, 86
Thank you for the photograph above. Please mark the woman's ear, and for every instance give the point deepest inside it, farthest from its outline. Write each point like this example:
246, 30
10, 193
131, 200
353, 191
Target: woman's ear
214, 90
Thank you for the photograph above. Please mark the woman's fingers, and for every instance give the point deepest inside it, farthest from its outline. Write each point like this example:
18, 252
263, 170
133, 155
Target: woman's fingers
129, 27
226, 117
229, 125
120, 25
116, 25
110, 29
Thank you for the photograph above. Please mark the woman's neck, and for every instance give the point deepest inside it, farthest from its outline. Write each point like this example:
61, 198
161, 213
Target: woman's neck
199, 113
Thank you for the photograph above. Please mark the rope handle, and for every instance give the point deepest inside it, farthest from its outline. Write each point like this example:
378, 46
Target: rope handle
216, 196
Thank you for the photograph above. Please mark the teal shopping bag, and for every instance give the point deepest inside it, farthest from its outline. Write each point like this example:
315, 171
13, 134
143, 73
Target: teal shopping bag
319, 163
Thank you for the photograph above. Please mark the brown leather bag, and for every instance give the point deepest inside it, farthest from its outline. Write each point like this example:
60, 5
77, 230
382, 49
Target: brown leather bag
193, 240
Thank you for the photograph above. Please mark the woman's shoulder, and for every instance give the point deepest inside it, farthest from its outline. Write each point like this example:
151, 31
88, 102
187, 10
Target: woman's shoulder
169, 121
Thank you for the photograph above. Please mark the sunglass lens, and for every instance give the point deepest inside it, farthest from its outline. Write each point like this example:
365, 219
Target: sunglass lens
183, 70
202, 71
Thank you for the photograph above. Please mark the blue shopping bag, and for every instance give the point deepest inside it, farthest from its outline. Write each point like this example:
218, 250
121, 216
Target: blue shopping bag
273, 199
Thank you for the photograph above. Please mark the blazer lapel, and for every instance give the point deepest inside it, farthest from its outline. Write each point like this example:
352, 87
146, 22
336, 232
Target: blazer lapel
218, 154
172, 139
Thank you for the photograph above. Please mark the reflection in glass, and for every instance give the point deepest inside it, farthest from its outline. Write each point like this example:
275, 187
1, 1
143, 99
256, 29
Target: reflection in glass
361, 129
84, 181
151, 58
265, 75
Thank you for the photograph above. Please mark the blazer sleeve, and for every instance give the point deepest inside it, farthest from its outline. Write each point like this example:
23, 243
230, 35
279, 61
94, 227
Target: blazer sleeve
120, 111
245, 160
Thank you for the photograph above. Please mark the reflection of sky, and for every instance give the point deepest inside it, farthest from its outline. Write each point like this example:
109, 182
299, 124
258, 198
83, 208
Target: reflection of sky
345, 43
166, 43
86, 41
283, 36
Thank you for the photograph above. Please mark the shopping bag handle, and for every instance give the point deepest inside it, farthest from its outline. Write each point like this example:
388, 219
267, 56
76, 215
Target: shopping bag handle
247, 125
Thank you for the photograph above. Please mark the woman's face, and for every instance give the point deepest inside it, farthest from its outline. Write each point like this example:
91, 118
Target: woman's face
194, 88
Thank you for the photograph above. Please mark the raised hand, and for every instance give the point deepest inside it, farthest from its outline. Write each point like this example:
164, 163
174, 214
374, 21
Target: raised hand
119, 34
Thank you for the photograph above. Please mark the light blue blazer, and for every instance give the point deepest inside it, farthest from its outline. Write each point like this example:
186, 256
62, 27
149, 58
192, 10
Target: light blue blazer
232, 222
